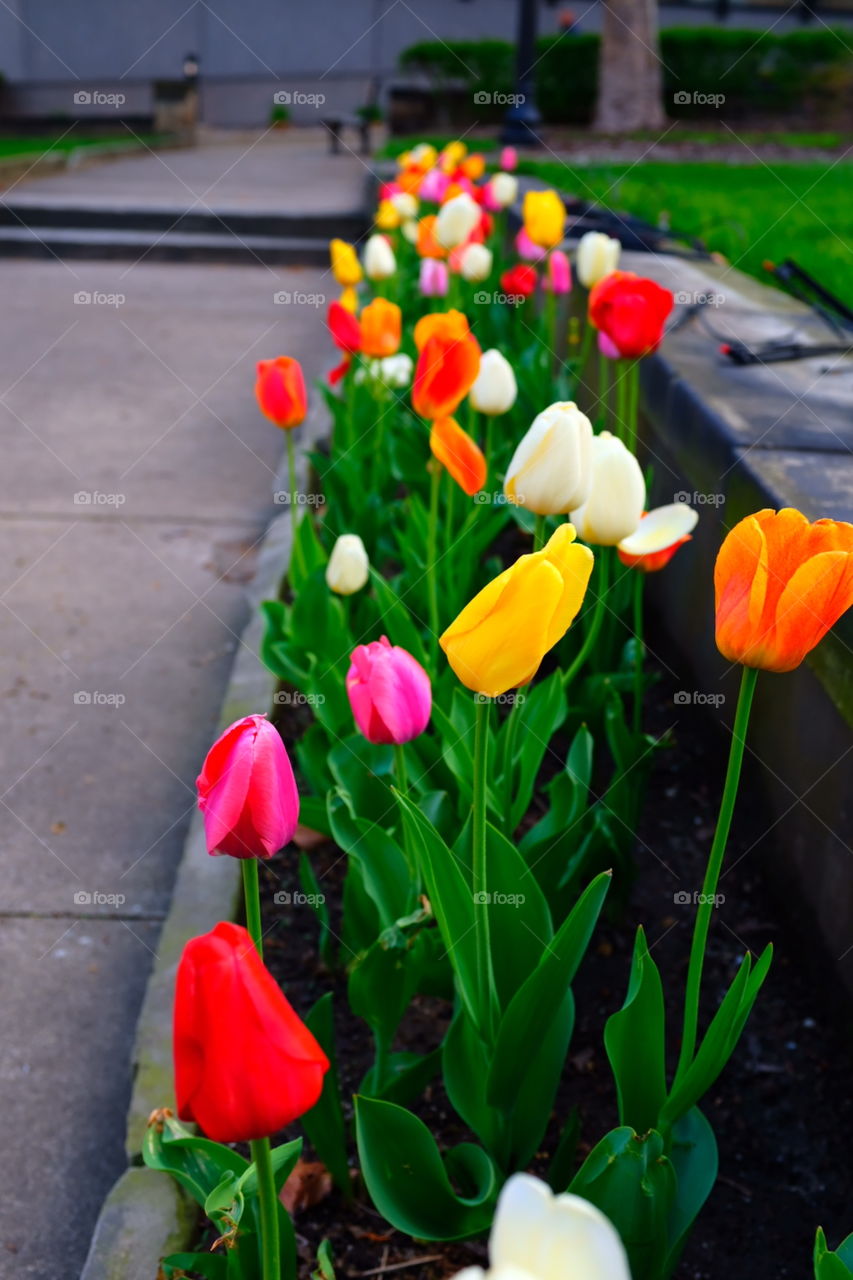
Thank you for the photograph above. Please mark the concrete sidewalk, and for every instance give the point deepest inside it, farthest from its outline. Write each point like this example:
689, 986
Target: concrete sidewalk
138, 477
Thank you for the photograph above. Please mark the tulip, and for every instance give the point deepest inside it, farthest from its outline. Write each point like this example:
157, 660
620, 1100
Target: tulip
387, 217
461, 455
607, 348
527, 249
631, 311
519, 281
381, 328
446, 370
551, 470
456, 220
427, 244
410, 230
446, 324
280, 391
406, 205
509, 158
597, 255
349, 299
424, 154
474, 166
544, 218
391, 371
349, 568
389, 692
379, 260
559, 277
452, 156
434, 278
245, 1065
539, 1236
657, 537
433, 187
503, 188
247, 793
475, 262
780, 584
345, 265
344, 328
495, 388
614, 505
499, 639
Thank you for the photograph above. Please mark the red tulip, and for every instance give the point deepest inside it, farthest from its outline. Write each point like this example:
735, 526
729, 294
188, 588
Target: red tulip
247, 792
631, 311
344, 328
389, 692
519, 280
280, 390
447, 368
245, 1065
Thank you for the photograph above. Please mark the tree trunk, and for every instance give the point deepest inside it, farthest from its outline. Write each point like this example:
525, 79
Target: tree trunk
630, 73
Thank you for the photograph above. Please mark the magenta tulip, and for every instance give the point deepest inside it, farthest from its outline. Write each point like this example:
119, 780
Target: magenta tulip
389, 692
247, 792
607, 347
509, 159
527, 249
434, 280
559, 275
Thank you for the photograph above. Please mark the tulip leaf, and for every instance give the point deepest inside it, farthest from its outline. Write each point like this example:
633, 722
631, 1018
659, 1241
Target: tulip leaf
409, 1183
533, 1006
520, 925
408, 1074
362, 771
307, 553
324, 1123
212, 1266
198, 1164
396, 619
540, 715
563, 1160
380, 860
325, 1268
381, 984
531, 1107
832, 1266
465, 1065
224, 1205
634, 1039
313, 891
693, 1152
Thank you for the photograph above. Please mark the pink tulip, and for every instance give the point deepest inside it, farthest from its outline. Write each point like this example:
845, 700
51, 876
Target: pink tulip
559, 276
389, 692
607, 347
488, 200
247, 792
433, 186
527, 248
509, 159
434, 280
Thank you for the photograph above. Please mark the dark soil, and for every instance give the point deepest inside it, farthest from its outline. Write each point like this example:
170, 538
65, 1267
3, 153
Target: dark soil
782, 1109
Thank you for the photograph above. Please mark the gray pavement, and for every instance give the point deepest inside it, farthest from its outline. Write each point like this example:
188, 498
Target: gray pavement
138, 477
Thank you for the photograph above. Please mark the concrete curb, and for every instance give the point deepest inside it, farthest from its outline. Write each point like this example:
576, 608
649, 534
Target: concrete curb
146, 1215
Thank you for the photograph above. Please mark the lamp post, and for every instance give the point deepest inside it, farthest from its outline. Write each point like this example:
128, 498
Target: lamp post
522, 115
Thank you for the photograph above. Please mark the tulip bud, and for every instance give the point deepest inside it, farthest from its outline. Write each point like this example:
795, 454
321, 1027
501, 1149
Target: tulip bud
433, 187
394, 371
247, 793
345, 265
509, 158
504, 189
387, 218
348, 568
456, 220
559, 276
608, 347
280, 391
410, 230
527, 249
544, 217
597, 255
476, 262
551, 470
617, 494
406, 204
495, 389
379, 260
389, 692
434, 278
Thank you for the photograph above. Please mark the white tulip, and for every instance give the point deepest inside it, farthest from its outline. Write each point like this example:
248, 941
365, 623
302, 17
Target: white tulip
660, 529
597, 255
348, 568
405, 203
504, 189
410, 230
551, 469
539, 1236
475, 263
456, 220
617, 495
395, 371
495, 388
379, 260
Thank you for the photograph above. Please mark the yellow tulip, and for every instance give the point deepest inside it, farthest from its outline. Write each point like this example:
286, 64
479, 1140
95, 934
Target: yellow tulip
452, 156
501, 636
387, 217
346, 267
544, 218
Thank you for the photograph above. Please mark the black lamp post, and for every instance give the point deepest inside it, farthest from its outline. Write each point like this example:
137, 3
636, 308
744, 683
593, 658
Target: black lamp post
522, 115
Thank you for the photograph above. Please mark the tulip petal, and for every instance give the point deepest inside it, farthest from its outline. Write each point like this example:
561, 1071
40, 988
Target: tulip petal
814, 599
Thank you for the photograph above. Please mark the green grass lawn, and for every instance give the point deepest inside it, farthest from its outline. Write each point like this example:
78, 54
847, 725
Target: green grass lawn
749, 213
34, 144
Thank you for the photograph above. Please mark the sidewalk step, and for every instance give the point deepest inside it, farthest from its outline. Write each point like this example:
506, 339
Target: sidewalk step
162, 246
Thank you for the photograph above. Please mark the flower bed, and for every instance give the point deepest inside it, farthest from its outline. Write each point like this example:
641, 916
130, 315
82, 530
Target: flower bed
481, 774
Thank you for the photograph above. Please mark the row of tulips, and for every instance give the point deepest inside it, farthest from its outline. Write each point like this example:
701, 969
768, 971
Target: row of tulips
417, 584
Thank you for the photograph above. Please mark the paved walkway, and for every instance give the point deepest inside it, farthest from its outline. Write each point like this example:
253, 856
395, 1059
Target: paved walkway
137, 479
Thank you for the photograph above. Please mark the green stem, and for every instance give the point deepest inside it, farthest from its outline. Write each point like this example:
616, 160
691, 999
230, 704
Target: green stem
449, 513
603, 385
586, 344
639, 648
602, 560
509, 772
633, 408
485, 980
432, 536
539, 533
268, 1203
402, 780
712, 871
252, 899
622, 376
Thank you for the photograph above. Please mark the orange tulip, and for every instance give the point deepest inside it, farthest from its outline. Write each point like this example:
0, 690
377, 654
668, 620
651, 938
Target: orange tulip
381, 328
780, 584
461, 455
280, 390
447, 324
446, 370
427, 245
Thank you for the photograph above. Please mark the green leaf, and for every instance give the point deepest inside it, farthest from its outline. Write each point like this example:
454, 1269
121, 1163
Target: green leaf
693, 1153
382, 862
213, 1266
543, 711
324, 1269
198, 1164
307, 553
635, 1042
520, 926
563, 1159
409, 1183
832, 1266
465, 1064
224, 1205
313, 891
324, 1123
397, 620
284, 1160
381, 984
